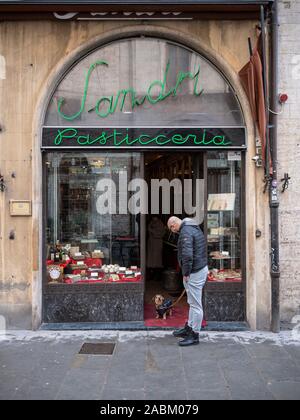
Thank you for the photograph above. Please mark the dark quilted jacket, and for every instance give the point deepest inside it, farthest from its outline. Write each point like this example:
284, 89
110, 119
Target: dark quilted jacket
192, 254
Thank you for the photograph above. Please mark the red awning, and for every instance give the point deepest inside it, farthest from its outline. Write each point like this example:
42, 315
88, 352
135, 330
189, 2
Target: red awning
251, 76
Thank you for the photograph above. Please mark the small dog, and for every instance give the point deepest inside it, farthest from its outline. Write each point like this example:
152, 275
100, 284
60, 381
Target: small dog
162, 306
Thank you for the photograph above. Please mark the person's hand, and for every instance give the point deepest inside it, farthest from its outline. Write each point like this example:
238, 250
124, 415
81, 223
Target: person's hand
186, 278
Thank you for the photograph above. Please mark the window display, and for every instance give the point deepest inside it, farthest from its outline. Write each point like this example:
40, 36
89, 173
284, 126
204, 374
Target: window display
223, 217
89, 239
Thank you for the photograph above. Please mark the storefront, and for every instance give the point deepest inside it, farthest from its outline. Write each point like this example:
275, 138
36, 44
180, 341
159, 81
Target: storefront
114, 120
128, 117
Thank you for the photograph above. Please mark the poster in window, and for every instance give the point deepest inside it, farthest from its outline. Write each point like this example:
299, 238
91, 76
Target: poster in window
221, 202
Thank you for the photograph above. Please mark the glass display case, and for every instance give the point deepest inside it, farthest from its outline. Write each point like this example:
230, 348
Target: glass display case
88, 239
223, 216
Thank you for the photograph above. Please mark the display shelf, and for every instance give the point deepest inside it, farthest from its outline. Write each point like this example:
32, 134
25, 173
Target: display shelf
223, 234
224, 258
212, 240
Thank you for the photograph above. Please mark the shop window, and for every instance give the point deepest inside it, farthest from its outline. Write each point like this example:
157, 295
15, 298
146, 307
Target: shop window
89, 240
144, 82
224, 216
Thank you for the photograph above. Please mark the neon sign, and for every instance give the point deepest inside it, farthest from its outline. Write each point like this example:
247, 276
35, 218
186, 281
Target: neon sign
117, 139
141, 137
107, 105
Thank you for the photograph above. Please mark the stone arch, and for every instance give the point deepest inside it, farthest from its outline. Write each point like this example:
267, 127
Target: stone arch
186, 40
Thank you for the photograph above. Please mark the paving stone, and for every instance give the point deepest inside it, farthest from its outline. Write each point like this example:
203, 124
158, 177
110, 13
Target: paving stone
131, 362
205, 380
127, 378
15, 362
9, 384
197, 367
166, 379
220, 394
157, 362
122, 394
235, 362
294, 352
81, 384
266, 351
164, 394
278, 370
7, 395
52, 374
254, 392
33, 392
93, 362
230, 351
245, 382
285, 390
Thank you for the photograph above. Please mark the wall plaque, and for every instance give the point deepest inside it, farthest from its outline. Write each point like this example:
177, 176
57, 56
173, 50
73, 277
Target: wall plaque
20, 207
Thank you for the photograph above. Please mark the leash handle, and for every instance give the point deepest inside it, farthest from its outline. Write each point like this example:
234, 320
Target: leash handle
180, 297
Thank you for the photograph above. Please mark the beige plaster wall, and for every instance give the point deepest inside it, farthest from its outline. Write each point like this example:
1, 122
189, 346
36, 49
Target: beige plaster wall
33, 53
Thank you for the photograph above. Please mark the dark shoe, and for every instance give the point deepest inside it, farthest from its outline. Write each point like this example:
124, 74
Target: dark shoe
192, 338
182, 332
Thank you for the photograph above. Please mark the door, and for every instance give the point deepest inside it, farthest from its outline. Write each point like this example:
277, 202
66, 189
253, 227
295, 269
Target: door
224, 297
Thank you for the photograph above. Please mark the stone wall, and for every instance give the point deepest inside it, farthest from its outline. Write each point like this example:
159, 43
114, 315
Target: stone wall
288, 156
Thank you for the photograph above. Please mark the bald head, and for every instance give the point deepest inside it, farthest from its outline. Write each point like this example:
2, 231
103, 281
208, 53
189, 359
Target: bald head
174, 224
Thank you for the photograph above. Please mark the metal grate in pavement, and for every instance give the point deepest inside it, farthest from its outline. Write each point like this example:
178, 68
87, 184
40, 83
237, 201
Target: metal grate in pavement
97, 348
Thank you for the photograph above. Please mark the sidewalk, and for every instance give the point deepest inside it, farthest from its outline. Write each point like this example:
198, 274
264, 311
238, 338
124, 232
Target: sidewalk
149, 365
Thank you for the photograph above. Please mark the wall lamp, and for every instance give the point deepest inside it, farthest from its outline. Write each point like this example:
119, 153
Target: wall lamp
2, 183
282, 99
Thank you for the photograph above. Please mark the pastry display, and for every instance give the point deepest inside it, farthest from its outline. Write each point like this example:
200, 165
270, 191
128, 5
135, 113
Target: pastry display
70, 265
224, 275
219, 255
97, 253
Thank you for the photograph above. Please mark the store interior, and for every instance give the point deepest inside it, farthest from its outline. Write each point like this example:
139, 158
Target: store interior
221, 226
163, 276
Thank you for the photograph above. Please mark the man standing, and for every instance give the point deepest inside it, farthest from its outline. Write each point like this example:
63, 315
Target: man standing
192, 258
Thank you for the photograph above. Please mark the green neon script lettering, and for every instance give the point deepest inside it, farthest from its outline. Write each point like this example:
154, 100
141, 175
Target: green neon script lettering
67, 133
86, 85
117, 139
107, 105
178, 139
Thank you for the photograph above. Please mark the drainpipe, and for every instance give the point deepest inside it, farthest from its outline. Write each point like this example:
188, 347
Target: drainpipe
273, 191
271, 101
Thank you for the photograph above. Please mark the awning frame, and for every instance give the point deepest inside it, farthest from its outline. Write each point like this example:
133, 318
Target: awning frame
191, 9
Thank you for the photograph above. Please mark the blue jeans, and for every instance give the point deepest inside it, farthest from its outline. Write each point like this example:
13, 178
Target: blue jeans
194, 287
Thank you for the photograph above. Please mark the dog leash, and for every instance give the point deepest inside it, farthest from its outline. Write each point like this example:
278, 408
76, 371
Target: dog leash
178, 300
